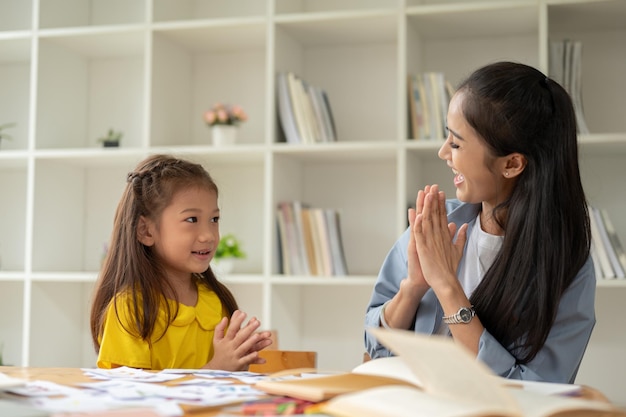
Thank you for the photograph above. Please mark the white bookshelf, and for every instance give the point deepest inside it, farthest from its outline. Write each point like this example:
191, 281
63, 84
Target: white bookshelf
72, 69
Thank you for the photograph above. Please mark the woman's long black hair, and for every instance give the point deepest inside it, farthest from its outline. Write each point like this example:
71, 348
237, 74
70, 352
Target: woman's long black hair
516, 108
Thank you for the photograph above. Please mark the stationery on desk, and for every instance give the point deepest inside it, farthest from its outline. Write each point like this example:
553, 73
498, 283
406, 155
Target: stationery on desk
112, 392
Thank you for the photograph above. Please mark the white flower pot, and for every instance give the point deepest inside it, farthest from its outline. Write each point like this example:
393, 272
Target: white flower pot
224, 135
223, 266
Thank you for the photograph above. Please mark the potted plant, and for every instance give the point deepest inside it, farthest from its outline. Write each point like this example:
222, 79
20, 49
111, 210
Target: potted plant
3, 134
112, 139
223, 121
228, 249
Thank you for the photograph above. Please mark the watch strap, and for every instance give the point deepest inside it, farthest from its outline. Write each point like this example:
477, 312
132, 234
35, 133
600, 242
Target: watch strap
457, 318
383, 322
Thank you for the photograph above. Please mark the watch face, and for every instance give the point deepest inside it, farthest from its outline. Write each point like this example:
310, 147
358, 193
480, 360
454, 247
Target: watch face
465, 314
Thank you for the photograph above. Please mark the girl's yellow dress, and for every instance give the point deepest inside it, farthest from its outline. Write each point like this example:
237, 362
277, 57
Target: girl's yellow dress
187, 343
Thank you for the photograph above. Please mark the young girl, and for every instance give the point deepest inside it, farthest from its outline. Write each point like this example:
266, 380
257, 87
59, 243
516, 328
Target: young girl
157, 304
516, 285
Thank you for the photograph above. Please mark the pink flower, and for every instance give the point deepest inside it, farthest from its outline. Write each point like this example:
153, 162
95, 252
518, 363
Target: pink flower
221, 114
239, 114
209, 117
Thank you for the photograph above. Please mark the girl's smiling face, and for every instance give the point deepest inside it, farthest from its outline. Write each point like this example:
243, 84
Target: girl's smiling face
479, 177
187, 232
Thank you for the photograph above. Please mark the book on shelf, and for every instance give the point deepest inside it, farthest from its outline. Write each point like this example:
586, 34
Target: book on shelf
285, 110
614, 239
318, 117
323, 116
415, 114
298, 107
284, 259
606, 244
597, 267
429, 96
304, 111
309, 112
599, 253
433, 101
436, 377
298, 206
324, 243
443, 96
313, 237
340, 267
289, 240
329, 120
565, 67
310, 240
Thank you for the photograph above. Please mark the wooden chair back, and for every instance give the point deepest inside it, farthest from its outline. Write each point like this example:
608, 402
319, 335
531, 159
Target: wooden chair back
277, 360
280, 360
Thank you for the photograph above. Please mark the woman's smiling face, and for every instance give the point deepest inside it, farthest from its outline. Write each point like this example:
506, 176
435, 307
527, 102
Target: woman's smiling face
478, 176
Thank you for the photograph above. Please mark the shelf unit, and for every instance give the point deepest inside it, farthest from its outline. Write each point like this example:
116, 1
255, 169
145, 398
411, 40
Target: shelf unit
72, 69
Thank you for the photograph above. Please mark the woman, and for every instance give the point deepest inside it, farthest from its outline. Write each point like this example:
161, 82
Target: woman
504, 268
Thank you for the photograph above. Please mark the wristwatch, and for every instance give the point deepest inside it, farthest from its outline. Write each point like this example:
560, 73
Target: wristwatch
463, 316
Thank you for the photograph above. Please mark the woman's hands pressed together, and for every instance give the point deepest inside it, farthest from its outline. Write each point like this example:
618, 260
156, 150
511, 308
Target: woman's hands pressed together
438, 254
237, 347
401, 309
415, 277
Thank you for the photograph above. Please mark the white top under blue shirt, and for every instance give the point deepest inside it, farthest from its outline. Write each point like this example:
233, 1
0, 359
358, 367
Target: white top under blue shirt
559, 358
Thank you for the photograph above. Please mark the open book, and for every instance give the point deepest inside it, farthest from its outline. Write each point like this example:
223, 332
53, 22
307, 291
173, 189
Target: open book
325, 386
431, 376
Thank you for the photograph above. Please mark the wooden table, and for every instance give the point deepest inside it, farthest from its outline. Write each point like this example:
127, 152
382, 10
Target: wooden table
74, 376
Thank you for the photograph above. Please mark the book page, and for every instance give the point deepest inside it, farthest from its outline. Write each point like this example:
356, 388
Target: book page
400, 401
546, 388
534, 404
393, 367
445, 368
325, 387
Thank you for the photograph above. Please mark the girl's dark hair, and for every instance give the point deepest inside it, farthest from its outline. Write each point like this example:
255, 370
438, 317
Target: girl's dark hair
131, 267
516, 108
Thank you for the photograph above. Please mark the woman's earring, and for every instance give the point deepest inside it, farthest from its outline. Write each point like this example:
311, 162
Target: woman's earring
506, 173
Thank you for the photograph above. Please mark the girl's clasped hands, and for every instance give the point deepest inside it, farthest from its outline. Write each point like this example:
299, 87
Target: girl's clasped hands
236, 345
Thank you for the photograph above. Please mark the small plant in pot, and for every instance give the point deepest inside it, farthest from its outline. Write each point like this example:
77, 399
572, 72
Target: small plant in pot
112, 139
228, 249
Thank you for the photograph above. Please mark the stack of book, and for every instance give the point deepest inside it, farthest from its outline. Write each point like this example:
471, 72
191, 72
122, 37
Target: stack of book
566, 69
428, 97
303, 111
310, 240
607, 251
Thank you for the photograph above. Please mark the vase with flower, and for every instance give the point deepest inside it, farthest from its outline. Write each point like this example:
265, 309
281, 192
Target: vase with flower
224, 120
